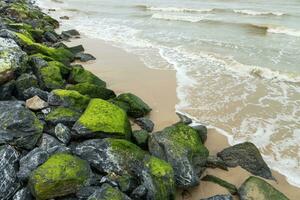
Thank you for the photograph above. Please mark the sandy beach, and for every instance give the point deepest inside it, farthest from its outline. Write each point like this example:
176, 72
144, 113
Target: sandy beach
125, 72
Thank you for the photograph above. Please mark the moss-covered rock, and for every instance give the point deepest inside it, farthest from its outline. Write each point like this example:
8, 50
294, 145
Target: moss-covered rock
103, 119
60, 175
28, 30
108, 192
80, 75
258, 189
230, 187
140, 138
63, 68
50, 77
62, 115
93, 91
123, 105
68, 98
137, 107
24, 82
180, 145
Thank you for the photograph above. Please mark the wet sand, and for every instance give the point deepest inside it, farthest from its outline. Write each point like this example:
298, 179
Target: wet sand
124, 72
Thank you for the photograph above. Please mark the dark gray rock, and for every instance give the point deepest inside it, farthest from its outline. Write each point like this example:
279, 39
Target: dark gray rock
63, 133
202, 131
76, 49
184, 119
215, 162
23, 194
6, 90
18, 125
9, 158
139, 193
51, 36
84, 57
127, 183
108, 192
24, 82
30, 162
52, 145
248, 157
220, 197
107, 179
85, 192
70, 33
145, 123
33, 91
140, 138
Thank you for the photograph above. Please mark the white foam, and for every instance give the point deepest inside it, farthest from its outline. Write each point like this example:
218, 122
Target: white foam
174, 9
185, 18
254, 13
284, 30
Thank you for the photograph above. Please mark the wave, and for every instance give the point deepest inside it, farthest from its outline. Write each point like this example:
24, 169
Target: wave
255, 13
283, 30
184, 18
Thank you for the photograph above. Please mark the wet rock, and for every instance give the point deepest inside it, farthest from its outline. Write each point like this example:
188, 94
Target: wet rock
248, 157
62, 115
256, 188
64, 17
24, 82
140, 138
145, 124
33, 91
23, 194
6, 90
184, 119
220, 197
60, 175
85, 192
50, 77
230, 187
30, 162
137, 107
79, 75
202, 131
18, 125
123, 105
70, 33
103, 119
181, 146
76, 49
108, 192
36, 103
84, 57
139, 193
215, 162
51, 36
8, 169
63, 133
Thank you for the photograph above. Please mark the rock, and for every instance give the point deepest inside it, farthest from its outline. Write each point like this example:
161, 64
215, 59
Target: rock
258, 189
138, 108
8, 169
69, 99
139, 193
76, 49
32, 91
50, 77
30, 162
36, 103
6, 90
103, 119
62, 115
219, 197
122, 157
184, 119
60, 175
64, 69
109, 179
12, 59
145, 124
70, 33
80, 75
23, 194
85, 192
18, 125
124, 106
84, 57
180, 145
107, 192
215, 162
24, 82
52, 145
63, 133
202, 131
248, 157
93, 91
140, 138
64, 17
127, 183
230, 187
51, 36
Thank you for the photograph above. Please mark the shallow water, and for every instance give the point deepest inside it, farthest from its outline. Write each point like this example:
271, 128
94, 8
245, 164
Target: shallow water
237, 62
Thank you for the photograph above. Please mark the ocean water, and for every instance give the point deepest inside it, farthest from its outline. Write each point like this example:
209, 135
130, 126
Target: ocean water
237, 62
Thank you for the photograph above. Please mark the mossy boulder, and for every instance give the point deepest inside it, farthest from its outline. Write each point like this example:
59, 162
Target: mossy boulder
68, 98
140, 138
24, 82
137, 107
50, 77
62, 115
258, 189
107, 192
180, 145
80, 75
93, 91
60, 175
123, 105
123, 157
230, 187
103, 119
63, 68
28, 30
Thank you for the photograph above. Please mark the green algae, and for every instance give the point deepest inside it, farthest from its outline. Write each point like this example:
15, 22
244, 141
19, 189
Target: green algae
108, 192
62, 114
51, 77
230, 187
63, 68
80, 75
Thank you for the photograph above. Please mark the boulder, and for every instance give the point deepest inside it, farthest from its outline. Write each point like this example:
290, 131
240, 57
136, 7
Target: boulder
63, 133
6, 90
258, 189
84, 57
103, 119
12, 59
108, 192
86, 192
50, 77
216, 162
139, 192
140, 138
137, 107
51, 36
76, 49
18, 125
62, 115
23, 194
220, 197
52, 145
93, 91
184, 119
79, 75
70, 33
181, 146
248, 157
145, 124
36, 103
126, 183
32, 91
69, 99
230, 187
8, 172
202, 131
24, 82
60, 175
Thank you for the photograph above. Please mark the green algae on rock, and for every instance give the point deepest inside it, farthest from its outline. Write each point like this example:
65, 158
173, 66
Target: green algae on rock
60, 175
24, 82
107, 192
62, 115
258, 189
103, 119
63, 68
80, 75
50, 77
93, 91
180, 145
137, 107
230, 187
68, 98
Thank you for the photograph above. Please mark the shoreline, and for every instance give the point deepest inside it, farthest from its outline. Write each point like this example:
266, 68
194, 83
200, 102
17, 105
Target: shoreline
163, 113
